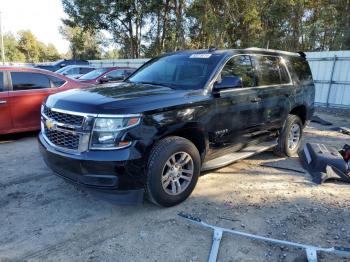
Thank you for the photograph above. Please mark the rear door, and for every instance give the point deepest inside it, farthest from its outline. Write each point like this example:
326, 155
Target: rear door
5, 115
274, 87
27, 94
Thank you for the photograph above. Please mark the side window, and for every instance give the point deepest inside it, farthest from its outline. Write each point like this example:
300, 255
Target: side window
115, 75
301, 69
285, 79
240, 66
57, 82
27, 81
2, 87
267, 70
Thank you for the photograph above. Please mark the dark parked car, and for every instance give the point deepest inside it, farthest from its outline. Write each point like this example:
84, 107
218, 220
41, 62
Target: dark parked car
178, 114
61, 63
22, 91
106, 75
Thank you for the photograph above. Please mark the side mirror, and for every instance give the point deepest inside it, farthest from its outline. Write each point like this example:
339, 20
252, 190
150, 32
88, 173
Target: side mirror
103, 80
228, 82
62, 65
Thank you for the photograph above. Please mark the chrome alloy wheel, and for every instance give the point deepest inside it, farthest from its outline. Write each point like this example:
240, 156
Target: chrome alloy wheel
177, 173
294, 136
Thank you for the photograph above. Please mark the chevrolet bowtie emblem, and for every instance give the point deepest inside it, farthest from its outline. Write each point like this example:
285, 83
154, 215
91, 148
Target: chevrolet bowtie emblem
49, 124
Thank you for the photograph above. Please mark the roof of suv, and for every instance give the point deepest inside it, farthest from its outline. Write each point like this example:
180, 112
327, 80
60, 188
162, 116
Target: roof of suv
251, 50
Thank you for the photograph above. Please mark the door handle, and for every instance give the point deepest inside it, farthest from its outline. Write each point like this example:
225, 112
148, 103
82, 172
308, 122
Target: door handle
256, 99
3, 102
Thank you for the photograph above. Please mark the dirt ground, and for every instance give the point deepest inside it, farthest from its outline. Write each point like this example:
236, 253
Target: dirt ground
42, 218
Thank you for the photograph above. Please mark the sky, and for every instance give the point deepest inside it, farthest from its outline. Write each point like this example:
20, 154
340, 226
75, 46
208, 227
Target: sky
42, 17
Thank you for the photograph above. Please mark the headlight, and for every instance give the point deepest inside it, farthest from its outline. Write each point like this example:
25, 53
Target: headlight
106, 132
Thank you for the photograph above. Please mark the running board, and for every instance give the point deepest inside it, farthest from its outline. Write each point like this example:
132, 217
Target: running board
239, 155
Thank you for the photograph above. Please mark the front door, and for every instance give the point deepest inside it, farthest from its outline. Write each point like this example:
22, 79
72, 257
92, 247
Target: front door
236, 108
5, 116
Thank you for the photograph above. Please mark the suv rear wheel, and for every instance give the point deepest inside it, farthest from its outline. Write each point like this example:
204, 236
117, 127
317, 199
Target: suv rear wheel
290, 137
172, 172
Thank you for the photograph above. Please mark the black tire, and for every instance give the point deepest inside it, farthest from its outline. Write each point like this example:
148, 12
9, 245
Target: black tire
160, 154
282, 149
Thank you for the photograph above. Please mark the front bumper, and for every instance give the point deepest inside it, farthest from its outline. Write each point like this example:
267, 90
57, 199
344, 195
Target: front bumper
116, 171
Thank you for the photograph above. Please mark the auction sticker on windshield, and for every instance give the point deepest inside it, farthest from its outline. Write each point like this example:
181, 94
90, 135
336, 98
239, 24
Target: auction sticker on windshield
200, 56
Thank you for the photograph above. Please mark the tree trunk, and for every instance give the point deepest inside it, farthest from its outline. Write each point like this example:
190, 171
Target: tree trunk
165, 21
179, 41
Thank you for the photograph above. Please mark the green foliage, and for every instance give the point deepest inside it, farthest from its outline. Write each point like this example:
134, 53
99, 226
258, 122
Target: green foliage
12, 52
150, 27
84, 44
26, 48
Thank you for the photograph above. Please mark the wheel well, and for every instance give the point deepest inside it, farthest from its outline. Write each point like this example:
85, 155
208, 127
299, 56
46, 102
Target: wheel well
196, 136
299, 111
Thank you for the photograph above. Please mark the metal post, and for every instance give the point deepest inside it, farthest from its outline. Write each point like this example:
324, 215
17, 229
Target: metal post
331, 79
2, 41
215, 245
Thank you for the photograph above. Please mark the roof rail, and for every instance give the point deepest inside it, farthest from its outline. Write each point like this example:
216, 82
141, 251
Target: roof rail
212, 49
274, 50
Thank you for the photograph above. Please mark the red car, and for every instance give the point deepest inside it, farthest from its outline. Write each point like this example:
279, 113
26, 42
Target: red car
22, 91
106, 75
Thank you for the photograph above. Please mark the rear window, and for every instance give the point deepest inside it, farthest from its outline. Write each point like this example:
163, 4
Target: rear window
270, 70
28, 81
57, 82
301, 69
2, 82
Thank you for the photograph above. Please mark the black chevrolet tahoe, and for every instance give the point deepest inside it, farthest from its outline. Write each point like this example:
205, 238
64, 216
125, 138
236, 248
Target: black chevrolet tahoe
177, 115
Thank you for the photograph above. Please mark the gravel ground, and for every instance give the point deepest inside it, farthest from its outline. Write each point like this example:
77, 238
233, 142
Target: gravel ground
45, 219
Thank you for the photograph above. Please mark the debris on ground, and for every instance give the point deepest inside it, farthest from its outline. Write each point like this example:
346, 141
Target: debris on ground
319, 120
326, 163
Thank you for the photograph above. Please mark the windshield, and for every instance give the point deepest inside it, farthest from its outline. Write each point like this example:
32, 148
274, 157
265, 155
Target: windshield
93, 74
178, 71
63, 69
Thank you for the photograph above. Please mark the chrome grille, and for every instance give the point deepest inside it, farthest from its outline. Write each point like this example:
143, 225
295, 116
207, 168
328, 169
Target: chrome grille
63, 118
62, 139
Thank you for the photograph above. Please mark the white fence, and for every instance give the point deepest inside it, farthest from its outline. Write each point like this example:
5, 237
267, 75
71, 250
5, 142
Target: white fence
331, 73
135, 63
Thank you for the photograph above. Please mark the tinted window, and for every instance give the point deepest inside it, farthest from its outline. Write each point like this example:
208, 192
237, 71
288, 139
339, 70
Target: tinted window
26, 81
178, 71
2, 88
115, 75
285, 79
93, 74
267, 70
301, 69
240, 66
271, 70
57, 82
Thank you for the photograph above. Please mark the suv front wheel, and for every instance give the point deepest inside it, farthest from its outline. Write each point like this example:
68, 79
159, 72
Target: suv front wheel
173, 168
290, 137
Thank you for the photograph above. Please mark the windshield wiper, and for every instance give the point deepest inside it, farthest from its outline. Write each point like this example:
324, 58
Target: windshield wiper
155, 83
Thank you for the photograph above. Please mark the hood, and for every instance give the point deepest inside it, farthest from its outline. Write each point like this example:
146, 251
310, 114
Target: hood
121, 98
